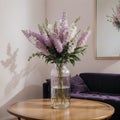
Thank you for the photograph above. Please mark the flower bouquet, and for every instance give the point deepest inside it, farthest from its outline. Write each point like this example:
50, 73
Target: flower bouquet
60, 44
115, 18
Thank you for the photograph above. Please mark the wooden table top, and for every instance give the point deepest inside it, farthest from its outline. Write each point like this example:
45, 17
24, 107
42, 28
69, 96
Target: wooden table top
40, 109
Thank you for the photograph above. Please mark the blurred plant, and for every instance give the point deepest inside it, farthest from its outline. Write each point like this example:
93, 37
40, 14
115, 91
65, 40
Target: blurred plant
115, 18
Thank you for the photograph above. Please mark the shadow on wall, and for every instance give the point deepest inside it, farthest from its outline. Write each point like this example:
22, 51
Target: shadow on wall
13, 90
17, 78
26, 93
24, 73
10, 64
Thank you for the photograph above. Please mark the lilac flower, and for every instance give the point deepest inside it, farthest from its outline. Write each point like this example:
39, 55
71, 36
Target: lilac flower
46, 40
83, 39
72, 32
35, 40
63, 21
29, 37
29, 33
42, 48
57, 43
63, 35
26, 33
64, 29
42, 38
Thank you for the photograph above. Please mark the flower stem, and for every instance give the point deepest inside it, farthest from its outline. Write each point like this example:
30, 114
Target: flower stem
60, 97
60, 83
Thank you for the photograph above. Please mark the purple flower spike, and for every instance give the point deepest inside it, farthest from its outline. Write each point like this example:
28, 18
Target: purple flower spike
42, 38
47, 40
65, 34
37, 36
39, 45
83, 39
64, 30
43, 50
29, 33
64, 22
57, 43
38, 40
26, 33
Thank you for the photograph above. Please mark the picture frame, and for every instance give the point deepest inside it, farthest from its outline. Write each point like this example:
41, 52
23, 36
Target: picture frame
107, 34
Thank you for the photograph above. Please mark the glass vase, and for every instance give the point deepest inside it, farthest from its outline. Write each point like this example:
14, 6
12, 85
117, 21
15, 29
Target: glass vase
60, 86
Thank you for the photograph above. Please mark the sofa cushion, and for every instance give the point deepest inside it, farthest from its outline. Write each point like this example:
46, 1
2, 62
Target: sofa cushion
97, 96
78, 85
102, 82
112, 99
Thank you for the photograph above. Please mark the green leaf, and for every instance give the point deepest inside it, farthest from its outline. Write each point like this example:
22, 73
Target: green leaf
40, 28
77, 58
46, 22
34, 55
77, 19
55, 26
72, 62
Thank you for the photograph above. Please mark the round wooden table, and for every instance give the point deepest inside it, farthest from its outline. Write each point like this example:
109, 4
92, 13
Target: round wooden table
40, 109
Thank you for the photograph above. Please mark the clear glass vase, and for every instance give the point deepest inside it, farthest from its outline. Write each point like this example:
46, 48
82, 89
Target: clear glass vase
60, 86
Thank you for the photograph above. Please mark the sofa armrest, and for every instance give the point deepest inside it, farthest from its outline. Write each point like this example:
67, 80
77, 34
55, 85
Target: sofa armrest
46, 89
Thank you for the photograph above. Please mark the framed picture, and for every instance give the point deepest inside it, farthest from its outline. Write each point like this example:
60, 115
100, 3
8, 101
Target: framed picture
108, 29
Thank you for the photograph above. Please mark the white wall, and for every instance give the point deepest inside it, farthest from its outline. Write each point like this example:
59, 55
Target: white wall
86, 9
19, 79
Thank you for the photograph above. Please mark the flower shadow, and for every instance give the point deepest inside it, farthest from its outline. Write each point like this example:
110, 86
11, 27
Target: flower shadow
10, 64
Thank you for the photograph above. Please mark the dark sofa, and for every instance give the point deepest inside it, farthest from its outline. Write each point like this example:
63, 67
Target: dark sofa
103, 87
